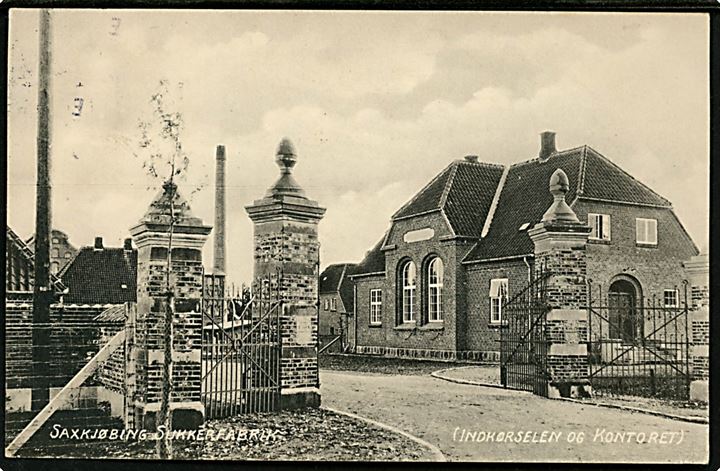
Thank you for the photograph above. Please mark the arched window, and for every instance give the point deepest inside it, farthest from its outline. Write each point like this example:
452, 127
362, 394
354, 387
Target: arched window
435, 287
408, 282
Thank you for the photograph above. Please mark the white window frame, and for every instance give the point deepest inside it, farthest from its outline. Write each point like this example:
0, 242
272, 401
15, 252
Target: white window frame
675, 294
333, 304
327, 304
498, 295
646, 231
600, 225
375, 306
409, 289
435, 274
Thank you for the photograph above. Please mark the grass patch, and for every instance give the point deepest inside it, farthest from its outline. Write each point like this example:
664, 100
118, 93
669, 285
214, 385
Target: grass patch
299, 435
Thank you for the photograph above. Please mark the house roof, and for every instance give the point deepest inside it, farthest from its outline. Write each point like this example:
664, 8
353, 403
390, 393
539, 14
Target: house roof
463, 191
330, 278
524, 197
28, 255
374, 261
336, 279
101, 276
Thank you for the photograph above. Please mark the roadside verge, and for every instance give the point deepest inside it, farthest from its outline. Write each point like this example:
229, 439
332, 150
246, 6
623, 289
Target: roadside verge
437, 454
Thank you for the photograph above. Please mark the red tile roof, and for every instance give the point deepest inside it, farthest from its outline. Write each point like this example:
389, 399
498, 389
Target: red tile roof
463, 192
525, 197
104, 276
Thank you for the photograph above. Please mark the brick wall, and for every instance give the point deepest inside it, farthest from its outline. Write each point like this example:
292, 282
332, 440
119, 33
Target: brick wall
700, 322
187, 280
287, 261
655, 268
480, 334
422, 334
75, 337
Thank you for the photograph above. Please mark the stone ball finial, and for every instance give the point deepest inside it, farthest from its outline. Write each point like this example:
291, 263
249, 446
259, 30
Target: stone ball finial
559, 182
559, 211
286, 157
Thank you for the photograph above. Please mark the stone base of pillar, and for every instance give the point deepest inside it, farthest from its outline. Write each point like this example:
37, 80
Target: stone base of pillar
188, 415
700, 390
572, 388
299, 398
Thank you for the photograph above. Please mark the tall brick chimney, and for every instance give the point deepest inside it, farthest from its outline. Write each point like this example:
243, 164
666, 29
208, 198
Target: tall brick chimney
547, 145
219, 237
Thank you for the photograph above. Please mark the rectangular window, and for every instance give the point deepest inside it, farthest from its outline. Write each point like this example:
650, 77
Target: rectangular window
333, 304
670, 298
375, 306
498, 297
646, 231
600, 225
327, 304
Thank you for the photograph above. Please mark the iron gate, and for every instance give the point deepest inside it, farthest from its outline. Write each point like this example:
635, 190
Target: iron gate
523, 344
241, 348
639, 347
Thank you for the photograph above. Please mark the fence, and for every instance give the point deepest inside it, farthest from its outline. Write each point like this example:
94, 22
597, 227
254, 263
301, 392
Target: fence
639, 346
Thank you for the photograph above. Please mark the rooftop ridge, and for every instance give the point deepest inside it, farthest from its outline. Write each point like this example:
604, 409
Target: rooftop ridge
479, 163
448, 186
494, 204
581, 173
422, 190
534, 159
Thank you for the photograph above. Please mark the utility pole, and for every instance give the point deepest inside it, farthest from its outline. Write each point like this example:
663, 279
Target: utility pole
43, 291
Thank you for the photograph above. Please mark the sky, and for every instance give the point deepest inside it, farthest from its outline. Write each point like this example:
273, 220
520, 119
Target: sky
376, 103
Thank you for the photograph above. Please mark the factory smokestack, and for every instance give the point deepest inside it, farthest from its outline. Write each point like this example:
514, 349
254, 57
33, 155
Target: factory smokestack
219, 229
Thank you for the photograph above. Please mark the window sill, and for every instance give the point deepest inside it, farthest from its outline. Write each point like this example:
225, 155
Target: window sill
374, 326
497, 325
599, 241
645, 245
406, 326
433, 326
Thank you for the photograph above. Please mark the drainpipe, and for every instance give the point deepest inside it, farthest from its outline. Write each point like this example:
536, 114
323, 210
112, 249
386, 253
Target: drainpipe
355, 334
528, 267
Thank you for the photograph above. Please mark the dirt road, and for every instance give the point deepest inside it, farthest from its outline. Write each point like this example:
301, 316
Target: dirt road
473, 423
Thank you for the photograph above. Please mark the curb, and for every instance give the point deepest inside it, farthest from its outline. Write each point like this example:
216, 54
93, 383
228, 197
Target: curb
683, 418
437, 454
438, 374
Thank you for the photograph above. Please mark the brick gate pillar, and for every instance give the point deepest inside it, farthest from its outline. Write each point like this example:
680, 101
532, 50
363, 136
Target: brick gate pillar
560, 240
151, 236
287, 255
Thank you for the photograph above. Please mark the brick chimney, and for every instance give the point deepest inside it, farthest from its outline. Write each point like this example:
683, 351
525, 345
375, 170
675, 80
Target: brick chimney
547, 145
127, 244
219, 236
98, 243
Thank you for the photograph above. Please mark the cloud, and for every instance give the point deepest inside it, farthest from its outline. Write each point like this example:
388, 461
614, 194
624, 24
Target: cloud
376, 104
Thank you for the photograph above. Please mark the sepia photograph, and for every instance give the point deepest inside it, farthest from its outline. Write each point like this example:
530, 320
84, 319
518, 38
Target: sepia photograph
346, 235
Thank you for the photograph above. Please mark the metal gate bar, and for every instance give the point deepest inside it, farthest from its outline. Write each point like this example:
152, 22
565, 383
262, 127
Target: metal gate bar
240, 352
639, 347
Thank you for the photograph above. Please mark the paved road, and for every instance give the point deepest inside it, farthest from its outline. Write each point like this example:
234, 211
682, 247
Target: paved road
460, 418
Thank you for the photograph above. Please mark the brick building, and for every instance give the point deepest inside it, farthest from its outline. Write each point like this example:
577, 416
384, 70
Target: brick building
101, 275
337, 303
435, 284
74, 315
61, 250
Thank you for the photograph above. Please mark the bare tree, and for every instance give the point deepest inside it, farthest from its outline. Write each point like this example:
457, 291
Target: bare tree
166, 160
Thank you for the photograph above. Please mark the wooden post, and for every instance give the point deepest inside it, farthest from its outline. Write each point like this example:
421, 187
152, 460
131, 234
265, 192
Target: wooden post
43, 293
